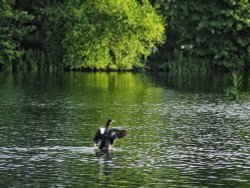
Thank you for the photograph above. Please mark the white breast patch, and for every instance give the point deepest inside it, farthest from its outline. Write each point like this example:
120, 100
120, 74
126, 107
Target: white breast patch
102, 130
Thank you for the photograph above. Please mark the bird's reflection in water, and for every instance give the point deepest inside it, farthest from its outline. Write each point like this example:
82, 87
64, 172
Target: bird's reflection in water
106, 166
103, 154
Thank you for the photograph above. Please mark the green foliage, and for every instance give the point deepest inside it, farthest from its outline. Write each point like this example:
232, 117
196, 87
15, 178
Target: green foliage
56, 16
217, 30
12, 30
122, 34
99, 34
111, 34
185, 61
233, 92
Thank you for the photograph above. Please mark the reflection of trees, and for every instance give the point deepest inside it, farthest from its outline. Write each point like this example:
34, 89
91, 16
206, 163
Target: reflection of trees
36, 108
98, 96
191, 83
33, 115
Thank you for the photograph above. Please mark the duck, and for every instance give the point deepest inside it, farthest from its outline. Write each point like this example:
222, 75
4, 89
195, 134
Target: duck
106, 137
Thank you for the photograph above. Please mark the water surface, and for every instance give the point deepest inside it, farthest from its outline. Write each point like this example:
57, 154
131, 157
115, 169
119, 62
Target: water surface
182, 132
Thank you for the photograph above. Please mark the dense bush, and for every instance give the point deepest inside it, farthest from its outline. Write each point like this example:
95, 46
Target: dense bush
13, 27
111, 34
217, 31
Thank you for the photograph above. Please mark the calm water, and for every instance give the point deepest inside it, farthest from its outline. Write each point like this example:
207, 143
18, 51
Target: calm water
181, 131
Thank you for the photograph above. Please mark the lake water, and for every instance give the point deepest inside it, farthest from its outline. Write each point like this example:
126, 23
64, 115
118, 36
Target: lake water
182, 132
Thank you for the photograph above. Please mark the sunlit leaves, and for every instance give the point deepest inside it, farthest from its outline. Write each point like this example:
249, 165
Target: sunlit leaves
233, 92
112, 34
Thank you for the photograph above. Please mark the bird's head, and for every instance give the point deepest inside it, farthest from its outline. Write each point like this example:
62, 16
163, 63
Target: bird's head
109, 122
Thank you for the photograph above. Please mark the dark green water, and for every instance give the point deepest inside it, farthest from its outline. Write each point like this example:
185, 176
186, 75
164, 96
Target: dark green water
181, 131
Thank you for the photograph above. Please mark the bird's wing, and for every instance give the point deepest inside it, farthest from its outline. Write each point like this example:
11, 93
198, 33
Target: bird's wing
120, 132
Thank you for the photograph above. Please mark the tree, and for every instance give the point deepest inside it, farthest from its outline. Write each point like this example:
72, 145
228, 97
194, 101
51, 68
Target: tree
13, 29
216, 30
111, 34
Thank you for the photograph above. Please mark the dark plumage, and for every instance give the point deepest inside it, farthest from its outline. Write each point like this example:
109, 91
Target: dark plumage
107, 136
